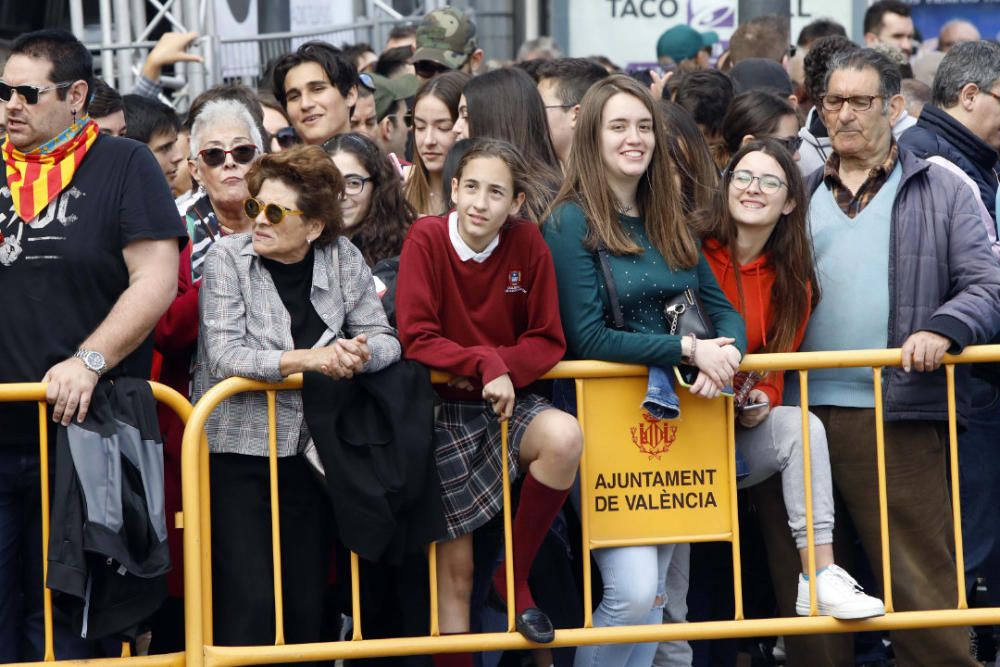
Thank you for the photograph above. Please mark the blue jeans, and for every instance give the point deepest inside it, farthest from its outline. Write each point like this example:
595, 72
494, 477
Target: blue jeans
634, 594
661, 400
21, 614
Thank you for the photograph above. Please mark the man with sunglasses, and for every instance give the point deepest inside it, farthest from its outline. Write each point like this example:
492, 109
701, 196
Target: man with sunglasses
446, 41
903, 262
88, 263
317, 85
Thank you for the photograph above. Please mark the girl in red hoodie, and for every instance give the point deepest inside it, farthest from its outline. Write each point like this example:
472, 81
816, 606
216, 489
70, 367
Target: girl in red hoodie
476, 297
758, 246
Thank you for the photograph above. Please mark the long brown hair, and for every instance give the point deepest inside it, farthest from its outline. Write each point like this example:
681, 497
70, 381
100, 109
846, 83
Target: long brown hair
446, 87
380, 233
795, 286
658, 198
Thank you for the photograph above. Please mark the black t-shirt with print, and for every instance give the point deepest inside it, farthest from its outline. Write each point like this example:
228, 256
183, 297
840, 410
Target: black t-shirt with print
61, 274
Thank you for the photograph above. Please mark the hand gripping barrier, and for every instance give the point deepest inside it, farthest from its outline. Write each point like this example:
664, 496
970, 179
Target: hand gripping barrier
605, 393
35, 392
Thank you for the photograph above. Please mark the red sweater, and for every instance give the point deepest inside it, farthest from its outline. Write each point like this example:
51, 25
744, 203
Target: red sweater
479, 320
758, 281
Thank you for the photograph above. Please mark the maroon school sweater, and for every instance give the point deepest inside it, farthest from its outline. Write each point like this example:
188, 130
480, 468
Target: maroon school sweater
479, 320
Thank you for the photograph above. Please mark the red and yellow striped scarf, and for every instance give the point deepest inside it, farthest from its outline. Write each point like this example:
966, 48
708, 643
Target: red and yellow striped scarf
36, 178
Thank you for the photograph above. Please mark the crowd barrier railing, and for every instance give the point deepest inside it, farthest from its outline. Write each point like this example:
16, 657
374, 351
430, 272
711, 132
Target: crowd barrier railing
35, 392
608, 396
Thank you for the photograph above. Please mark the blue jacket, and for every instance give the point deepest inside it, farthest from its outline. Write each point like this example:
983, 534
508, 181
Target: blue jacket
937, 133
942, 278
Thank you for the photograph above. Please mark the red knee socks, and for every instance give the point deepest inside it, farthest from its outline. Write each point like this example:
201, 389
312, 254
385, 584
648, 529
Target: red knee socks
536, 510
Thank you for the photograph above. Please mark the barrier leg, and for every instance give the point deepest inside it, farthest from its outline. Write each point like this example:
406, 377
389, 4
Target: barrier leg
355, 597
956, 500
272, 442
508, 544
432, 575
734, 512
43, 461
588, 593
807, 472
883, 503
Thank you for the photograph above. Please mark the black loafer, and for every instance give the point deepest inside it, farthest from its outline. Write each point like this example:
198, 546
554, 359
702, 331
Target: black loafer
533, 624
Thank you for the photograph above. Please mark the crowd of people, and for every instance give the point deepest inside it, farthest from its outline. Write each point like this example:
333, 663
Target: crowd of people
362, 217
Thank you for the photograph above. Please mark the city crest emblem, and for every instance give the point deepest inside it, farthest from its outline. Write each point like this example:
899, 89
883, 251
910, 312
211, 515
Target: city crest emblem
654, 437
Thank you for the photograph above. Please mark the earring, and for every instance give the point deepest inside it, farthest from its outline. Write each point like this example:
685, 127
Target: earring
74, 116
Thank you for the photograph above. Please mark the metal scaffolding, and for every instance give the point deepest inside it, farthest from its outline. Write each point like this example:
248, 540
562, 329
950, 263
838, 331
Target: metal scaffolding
125, 41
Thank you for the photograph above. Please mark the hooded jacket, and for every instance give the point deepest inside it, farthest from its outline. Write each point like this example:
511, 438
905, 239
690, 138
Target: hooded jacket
758, 280
942, 278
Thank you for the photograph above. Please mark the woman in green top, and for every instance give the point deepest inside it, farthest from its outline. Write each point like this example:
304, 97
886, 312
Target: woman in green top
620, 191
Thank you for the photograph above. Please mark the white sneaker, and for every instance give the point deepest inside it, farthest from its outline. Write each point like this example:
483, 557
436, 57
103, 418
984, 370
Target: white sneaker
838, 595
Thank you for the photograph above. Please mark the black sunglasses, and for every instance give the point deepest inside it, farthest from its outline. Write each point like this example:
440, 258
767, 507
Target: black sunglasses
791, 144
274, 213
28, 93
286, 137
427, 69
215, 157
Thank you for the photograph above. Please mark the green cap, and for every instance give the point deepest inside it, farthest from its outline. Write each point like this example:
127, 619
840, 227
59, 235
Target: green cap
389, 90
445, 36
683, 42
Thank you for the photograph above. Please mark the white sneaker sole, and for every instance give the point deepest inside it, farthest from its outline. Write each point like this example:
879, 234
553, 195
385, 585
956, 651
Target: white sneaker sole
856, 615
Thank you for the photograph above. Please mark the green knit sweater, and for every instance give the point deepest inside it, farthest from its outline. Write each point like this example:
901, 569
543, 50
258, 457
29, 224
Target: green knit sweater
644, 282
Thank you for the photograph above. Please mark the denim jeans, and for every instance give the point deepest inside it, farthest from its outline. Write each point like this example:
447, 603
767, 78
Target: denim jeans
661, 400
634, 594
678, 653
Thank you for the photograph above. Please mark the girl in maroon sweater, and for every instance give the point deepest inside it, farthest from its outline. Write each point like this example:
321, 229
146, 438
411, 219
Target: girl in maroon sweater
476, 297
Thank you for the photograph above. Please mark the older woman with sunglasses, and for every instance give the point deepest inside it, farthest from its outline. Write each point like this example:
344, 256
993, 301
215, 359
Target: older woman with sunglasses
225, 141
292, 295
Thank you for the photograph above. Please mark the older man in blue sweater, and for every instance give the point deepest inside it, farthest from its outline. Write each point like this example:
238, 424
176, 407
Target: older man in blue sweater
903, 261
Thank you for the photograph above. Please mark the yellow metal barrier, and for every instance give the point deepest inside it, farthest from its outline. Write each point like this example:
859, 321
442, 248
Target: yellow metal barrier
198, 611
35, 392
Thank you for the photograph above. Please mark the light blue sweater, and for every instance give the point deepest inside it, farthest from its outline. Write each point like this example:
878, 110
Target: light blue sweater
852, 265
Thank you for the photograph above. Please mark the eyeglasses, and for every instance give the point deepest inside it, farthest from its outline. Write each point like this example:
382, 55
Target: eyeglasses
274, 213
791, 144
855, 102
285, 137
355, 184
28, 93
559, 106
991, 94
367, 81
768, 183
427, 69
215, 157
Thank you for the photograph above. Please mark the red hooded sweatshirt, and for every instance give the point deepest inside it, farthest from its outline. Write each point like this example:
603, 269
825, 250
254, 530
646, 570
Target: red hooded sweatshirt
758, 281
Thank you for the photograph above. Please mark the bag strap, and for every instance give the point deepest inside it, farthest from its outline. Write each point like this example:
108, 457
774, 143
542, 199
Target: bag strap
609, 283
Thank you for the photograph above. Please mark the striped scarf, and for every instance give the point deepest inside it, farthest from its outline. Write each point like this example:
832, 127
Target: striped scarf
36, 178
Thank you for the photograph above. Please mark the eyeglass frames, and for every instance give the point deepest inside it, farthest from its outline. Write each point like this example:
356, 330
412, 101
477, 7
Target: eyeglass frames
768, 183
215, 157
29, 93
855, 102
286, 137
274, 213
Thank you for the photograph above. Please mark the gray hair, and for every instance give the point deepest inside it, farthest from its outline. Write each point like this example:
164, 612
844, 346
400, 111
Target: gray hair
222, 110
889, 76
965, 63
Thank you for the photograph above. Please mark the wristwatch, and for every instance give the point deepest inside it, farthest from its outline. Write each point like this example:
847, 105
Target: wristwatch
92, 360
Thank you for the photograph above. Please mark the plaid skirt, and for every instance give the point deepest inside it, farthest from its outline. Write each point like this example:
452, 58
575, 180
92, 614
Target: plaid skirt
467, 448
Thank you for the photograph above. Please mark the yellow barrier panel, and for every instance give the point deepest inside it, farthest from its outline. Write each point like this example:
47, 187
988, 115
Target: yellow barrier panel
588, 375
34, 392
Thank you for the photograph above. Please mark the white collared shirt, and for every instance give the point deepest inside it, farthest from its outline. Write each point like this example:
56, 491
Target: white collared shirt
465, 253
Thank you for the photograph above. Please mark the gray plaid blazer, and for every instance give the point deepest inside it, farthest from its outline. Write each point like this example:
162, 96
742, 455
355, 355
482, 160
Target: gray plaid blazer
245, 328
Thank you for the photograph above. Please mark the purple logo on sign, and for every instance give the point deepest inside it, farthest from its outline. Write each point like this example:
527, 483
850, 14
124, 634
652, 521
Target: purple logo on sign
711, 14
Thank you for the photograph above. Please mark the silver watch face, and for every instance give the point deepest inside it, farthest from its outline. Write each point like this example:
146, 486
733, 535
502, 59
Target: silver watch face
94, 361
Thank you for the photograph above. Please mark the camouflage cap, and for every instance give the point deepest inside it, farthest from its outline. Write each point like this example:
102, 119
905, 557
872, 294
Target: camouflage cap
445, 36
388, 91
